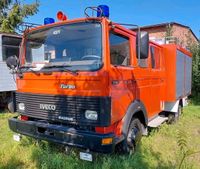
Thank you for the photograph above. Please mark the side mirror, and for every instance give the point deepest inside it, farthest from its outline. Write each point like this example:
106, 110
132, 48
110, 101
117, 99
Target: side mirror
12, 62
142, 45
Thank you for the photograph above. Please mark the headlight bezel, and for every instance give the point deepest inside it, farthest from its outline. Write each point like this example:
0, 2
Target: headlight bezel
91, 115
21, 106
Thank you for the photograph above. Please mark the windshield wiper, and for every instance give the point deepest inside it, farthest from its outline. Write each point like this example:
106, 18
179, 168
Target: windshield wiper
56, 66
74, 72
63, 68
27, 66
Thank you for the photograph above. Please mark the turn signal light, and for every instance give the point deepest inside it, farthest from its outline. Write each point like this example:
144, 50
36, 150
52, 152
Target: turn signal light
105, 141
61, 16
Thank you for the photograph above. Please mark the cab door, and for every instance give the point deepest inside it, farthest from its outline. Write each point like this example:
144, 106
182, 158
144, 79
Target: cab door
122, 85
157, 81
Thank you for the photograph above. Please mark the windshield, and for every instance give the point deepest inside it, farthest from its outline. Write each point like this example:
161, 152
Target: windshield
78, 46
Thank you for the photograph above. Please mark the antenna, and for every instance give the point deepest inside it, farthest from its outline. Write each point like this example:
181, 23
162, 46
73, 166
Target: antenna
92, 8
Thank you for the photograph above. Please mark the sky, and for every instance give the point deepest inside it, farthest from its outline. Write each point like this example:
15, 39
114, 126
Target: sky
140, 12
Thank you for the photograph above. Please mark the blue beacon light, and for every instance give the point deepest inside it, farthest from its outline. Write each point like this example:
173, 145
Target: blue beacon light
48, 21
103, 12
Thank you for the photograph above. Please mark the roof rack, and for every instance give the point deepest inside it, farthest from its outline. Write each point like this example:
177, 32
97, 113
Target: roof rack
25, 25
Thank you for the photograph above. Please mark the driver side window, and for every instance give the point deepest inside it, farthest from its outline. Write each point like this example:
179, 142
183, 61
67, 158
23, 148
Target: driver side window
119, 50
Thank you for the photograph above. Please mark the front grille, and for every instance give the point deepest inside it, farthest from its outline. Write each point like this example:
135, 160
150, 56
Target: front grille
70, 107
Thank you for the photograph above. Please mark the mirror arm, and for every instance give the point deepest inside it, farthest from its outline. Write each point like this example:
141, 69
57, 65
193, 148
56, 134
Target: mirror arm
139, 45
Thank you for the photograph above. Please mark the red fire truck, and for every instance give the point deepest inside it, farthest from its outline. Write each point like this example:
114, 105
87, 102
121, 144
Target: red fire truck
94, 84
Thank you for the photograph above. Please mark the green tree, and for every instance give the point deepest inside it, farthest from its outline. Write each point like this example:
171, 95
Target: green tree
13, 12
195, 49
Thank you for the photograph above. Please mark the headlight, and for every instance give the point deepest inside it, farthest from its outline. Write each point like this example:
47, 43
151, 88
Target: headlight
91, 115
21, 106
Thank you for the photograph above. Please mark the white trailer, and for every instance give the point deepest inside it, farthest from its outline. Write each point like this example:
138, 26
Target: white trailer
9, 46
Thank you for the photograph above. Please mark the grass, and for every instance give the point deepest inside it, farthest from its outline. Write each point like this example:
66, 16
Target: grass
161, 149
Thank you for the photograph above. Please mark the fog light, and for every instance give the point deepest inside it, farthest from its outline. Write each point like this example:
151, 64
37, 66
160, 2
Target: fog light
21, 106
91, 115
105, 141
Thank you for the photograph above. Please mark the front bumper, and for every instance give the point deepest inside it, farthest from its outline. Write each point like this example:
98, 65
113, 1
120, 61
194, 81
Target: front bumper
62, 135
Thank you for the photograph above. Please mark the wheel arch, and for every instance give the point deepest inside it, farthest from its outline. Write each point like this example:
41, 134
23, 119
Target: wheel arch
181, 102
135, 109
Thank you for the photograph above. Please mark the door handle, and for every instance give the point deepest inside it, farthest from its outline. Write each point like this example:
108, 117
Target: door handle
115, 82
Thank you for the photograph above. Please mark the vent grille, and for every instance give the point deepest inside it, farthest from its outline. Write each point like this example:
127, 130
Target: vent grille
71, 107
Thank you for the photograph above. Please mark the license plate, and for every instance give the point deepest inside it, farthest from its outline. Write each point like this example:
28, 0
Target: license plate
86, 156
16, 137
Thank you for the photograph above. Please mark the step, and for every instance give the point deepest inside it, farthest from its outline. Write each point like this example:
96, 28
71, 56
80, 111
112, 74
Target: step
157, 121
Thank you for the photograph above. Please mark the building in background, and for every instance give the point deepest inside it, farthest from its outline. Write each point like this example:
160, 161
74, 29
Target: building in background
171, 32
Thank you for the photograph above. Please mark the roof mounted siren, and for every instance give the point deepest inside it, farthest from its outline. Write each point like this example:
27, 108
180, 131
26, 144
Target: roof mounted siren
61, 16
48, 21
101, 11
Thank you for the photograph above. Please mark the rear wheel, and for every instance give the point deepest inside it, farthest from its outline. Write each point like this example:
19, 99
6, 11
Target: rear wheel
133, 137
174, 117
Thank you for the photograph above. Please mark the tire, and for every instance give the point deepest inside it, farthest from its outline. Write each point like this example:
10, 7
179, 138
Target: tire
133, 137
174, 117
11, 108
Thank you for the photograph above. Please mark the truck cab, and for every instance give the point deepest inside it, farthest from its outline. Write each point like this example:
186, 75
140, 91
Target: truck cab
9, 46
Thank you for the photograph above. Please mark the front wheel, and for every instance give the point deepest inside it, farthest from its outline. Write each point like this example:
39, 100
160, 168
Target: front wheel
133, 137
10, 105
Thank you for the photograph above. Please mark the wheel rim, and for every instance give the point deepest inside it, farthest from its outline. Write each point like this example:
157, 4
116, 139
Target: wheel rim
132, 137
178, 114
180, 110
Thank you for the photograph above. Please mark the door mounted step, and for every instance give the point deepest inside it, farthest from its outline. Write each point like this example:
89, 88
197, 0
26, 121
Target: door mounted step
157, 121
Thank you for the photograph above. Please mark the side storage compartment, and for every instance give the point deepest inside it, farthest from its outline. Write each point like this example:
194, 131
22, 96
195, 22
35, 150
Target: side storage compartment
183, 73
188, 75
180, 73
178, 66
